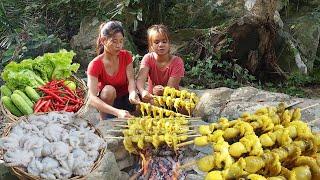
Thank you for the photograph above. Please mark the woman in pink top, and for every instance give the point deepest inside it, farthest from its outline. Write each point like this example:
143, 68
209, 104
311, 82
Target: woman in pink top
159, 66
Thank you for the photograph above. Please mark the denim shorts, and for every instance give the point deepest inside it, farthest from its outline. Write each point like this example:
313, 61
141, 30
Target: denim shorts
122, 102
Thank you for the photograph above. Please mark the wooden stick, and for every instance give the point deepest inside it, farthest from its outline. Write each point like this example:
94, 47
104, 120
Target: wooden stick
194, 135
113, 137
191, 119
121, 137
187, 165
195, 120
119, 125
120, 120
194, 126
313, 121
316, 104
126, 126
185, 143
293, 104
114, 130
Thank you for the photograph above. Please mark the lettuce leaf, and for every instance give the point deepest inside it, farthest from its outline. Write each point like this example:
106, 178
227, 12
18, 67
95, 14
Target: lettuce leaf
23, 78
44, 67
36, 72
62, 64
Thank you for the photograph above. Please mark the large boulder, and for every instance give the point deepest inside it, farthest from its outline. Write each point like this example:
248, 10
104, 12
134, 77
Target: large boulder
231, 103
84, 43
107, 170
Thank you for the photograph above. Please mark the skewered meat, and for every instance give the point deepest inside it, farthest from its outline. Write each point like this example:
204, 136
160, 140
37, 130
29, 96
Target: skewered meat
206, 163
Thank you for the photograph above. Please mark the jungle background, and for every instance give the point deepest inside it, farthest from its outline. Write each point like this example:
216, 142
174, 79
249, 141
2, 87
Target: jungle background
268, 44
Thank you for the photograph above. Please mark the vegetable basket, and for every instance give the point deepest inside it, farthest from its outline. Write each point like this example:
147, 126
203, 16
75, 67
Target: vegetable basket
21, 172
80, 84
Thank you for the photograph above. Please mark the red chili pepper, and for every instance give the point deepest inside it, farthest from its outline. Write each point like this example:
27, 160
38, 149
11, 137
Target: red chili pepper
52, 94
74, 100
37, 104
46, 97
69, 91
40, 106
46, 106
60, 105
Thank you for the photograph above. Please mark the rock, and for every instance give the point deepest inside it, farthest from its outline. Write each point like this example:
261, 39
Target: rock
194, 177
92, 115
121, 153
231, 103
124, 176
212, 102
126, 162
112, 144
84, 42
204, 149
108, 169
306, 32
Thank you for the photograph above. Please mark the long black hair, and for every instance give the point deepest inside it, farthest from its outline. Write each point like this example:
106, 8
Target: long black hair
108, 30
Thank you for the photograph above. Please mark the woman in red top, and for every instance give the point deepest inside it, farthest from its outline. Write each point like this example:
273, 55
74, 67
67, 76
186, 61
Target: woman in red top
110, 75
159, 66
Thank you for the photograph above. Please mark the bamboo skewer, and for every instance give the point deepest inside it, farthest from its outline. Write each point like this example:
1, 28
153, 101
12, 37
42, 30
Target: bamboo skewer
187, 165
316, 104
192, 119
313, 121
114, 130
125, 119
293, 104
121, 137
185, 143
114, 137
190, 132
194, 135
127, 126
120, 125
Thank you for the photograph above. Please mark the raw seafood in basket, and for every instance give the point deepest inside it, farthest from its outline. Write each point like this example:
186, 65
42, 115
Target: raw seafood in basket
52, 146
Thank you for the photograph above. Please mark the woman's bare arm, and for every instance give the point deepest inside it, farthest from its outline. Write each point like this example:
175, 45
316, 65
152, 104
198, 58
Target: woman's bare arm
174, 82
142, 77
133, 97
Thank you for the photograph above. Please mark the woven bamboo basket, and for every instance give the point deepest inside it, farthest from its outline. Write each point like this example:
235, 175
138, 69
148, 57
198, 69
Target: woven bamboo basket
23, 175
80, 83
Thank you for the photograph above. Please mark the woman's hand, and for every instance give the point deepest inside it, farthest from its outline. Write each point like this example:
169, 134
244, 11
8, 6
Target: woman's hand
146, 96
123, 114
134, 98
158, 90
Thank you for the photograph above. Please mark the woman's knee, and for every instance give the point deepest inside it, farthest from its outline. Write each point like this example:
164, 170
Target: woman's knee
108, 93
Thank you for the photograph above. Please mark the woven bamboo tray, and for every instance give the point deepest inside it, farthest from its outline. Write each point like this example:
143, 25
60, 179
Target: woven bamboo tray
80, 83
23, 175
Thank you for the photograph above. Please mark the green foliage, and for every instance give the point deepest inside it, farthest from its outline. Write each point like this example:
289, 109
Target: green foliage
213, 71
294, 86
140, 14
34, 45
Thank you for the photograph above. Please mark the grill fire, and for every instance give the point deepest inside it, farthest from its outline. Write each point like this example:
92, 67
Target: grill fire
161, 164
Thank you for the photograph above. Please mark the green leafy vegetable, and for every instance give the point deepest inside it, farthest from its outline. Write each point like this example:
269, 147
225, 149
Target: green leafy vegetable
42, 69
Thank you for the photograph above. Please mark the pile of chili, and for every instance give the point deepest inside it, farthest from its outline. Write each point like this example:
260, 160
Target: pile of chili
58, 97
